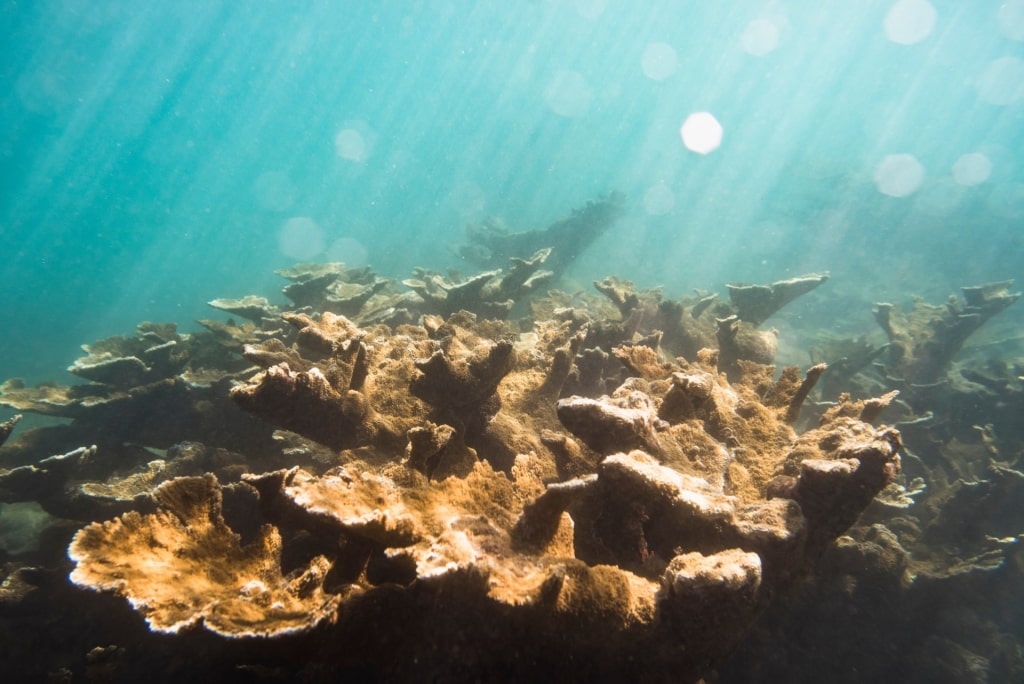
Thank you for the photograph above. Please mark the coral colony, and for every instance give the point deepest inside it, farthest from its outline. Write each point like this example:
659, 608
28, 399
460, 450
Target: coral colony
484, 477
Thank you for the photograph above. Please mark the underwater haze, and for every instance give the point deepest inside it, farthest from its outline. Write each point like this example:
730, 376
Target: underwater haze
158, 155
685, 347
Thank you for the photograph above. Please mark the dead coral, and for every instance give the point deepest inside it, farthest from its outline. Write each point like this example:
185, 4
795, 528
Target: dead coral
183, 566
923, 343
692, 418
357, 293
336, 400
639, 544
618, 423
456, 376
156, 388
251, 307
756, 303
42, 481
490, 294
306, 403
7, 427
491, 243
738, 342
618, 476
845, 357
686, 326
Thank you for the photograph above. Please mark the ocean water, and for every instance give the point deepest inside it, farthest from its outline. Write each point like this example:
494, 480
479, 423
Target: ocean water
158, 156
155, 156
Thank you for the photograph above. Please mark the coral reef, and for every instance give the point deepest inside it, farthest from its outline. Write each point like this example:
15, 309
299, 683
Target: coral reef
633, 548
7, 427
183, 565
491, 294
923, 342
756, 303
156, 388
471, 479
491, 243
934, 576
686, 326
148, 395
932, 570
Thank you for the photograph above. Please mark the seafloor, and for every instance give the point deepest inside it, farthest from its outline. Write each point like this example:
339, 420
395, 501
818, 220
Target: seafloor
454, 478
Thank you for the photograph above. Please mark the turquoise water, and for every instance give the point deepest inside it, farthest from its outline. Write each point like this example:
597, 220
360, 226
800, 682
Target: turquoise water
158, 155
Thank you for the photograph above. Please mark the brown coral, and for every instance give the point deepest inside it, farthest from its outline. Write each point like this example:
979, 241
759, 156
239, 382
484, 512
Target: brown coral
924, 342
183, 566
599, 482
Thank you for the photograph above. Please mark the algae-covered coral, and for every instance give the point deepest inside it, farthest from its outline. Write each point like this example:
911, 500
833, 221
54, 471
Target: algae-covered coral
403, 481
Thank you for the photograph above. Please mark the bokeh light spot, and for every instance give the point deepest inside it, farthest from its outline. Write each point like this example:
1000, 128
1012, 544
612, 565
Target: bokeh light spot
659, 61
899, 175
760, 37
1002, 82
909, 21
972, 169
701, 132
350, 144
301, 238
